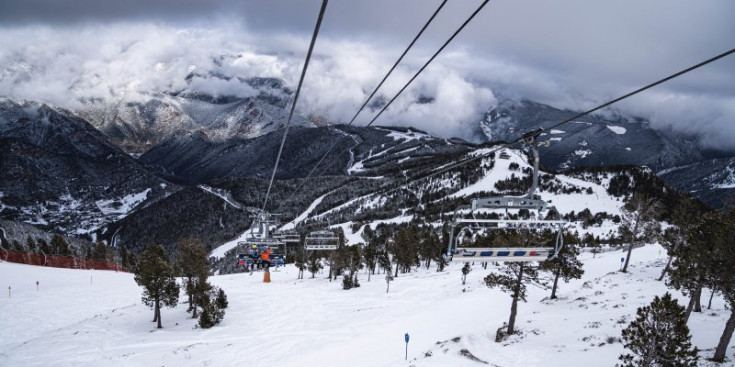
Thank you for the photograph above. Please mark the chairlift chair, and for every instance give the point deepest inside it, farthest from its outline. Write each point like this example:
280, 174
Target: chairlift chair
458, 253
321, 241
249, 250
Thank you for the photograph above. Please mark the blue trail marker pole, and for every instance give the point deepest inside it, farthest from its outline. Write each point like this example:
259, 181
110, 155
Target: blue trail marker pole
406, 337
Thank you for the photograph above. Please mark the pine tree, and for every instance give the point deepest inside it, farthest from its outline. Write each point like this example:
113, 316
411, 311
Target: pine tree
347, 282
723, 241
194, 266
213, 304
157, 277
384, 261
426, 245
514, 276
694, 261
31, 244
222, 299
59, 245
300, 260
405, 249
43, 246
638, 222
370, 255
466, 269
353, 262
314, 263
682, 219
659, 337
124, 257
564, 265
100, 251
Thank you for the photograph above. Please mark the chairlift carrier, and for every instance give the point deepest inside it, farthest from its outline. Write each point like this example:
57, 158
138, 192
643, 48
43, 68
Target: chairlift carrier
456, 252
321, 241
252, 247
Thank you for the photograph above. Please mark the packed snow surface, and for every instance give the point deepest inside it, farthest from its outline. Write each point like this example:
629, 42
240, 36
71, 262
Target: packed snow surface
91, 318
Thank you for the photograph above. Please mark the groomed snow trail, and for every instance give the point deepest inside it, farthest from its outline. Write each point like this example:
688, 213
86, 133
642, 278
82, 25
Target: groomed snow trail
313, 322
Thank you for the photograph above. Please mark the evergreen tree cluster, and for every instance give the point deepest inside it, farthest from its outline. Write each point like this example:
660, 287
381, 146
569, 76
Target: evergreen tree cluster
705, 257
157, 275
158, 278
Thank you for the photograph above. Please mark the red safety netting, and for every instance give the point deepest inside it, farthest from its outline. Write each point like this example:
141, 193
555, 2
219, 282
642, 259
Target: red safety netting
59, 261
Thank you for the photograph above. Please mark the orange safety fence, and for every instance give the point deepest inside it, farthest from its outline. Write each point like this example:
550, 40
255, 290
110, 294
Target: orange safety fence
59, 261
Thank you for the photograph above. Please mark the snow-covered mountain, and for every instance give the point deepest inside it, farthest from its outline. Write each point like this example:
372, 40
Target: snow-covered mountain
197, 158
711, 180
69, 176
136, 125
188, 121
62, 174
593, 140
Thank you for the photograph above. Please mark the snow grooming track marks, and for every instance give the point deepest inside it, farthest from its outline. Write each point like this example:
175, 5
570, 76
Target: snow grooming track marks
320, 324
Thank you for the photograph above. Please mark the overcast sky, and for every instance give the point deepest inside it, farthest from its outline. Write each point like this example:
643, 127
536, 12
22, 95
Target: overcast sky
567, 53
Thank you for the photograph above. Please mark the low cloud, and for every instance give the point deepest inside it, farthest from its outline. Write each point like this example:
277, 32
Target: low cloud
67, 64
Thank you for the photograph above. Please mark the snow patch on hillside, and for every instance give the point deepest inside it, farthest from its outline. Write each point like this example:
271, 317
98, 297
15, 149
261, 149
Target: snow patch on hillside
582, 153
617, 129
728, 182
408, 135
122, 206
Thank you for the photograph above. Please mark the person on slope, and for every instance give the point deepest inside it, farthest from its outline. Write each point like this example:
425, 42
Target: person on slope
265, 259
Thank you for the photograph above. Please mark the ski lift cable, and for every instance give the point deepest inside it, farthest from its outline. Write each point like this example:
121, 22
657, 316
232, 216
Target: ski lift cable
672, 76
541, 129
398, 61
479, 8
467, 21
296, 97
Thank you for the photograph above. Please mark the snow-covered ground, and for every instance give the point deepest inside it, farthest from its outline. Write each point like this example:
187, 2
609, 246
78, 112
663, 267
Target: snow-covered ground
91, 318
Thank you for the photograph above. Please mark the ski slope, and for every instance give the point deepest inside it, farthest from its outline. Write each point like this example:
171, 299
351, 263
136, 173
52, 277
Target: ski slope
91, 318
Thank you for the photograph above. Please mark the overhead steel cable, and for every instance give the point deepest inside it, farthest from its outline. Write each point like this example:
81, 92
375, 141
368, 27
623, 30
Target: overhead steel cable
426, 25
405, 86
541, 129
296, 98
367, 100
672, 76
430, 60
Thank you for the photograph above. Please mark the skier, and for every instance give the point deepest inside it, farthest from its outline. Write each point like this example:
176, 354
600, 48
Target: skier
266, 261
265, 258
